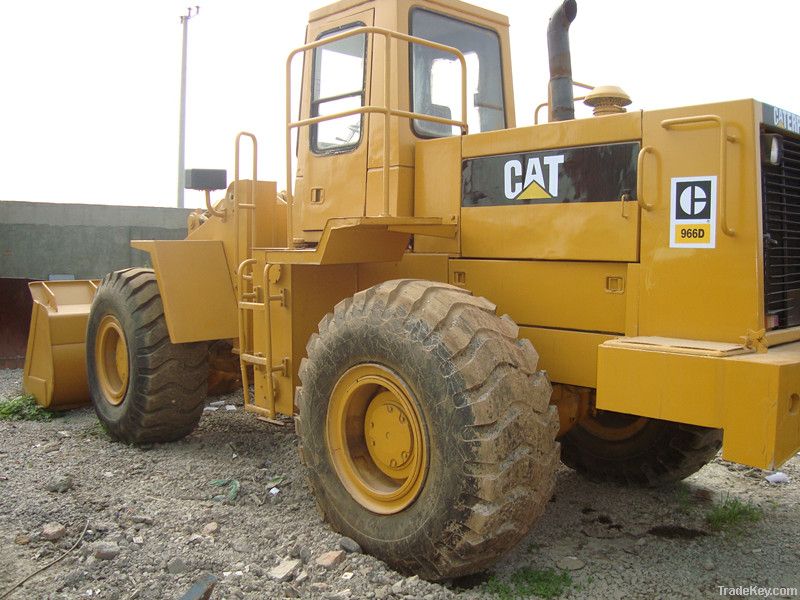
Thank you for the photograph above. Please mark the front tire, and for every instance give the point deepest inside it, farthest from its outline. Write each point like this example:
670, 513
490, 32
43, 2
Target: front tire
426, 428
144, 388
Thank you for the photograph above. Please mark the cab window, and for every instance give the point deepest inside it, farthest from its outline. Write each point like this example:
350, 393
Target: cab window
338, 76
436, 75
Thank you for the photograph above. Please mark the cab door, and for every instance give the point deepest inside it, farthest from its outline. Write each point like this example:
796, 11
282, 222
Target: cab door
332, 162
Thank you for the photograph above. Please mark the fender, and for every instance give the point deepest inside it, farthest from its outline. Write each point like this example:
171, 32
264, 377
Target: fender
196, 288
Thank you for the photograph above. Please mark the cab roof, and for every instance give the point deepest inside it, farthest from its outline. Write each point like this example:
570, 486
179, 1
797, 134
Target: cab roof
455, 5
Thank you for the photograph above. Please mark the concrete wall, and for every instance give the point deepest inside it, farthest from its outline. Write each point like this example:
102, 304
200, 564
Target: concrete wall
40, 239
87, 241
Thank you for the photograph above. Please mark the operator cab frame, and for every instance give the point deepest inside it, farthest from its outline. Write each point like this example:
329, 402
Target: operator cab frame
340, 161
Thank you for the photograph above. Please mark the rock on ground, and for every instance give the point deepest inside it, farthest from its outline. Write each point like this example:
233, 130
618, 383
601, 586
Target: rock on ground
53, 531
331, 559
60, 484
284, 570
349, 545
106, 550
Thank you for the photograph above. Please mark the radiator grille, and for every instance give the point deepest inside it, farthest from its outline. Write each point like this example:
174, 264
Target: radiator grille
781, 214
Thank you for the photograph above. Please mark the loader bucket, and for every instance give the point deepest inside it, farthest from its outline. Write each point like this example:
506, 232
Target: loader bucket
55, 361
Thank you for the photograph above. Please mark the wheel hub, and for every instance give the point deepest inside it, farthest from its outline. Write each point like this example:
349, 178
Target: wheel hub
388, 433
613, 427
111, 358
376, 438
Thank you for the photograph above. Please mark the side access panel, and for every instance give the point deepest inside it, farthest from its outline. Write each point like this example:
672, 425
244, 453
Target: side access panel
678, 297
566, 308
559, 191
433, 267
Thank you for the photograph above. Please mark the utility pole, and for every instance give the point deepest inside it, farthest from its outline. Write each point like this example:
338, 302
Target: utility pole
182, 134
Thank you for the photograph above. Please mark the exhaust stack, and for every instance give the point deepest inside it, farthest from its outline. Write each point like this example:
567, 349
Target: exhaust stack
560, 97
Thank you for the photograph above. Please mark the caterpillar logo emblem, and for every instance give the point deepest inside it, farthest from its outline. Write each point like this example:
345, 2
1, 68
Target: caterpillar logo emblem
531, 184
693, 212
603, 173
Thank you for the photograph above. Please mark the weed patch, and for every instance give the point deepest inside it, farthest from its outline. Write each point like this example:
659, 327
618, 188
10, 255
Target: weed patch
527, 582
23, 408
733, 514
97, 431
683, 498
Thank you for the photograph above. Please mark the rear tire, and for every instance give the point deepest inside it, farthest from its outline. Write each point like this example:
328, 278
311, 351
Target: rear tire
481, 427
224, 371
144, 388
630, 450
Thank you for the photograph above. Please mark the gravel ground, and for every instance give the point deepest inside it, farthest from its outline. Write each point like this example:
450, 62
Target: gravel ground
156, 524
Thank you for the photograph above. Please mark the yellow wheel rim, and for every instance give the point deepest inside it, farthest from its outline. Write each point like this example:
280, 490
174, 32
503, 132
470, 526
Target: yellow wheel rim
376, 439
613, 427
111, 359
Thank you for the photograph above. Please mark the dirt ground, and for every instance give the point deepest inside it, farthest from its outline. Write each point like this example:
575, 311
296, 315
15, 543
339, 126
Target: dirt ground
156, 524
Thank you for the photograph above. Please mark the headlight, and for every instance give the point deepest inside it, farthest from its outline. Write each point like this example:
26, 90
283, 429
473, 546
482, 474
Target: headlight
771, 148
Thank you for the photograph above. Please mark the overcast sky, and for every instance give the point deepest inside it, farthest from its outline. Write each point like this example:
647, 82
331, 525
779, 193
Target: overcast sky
90, 89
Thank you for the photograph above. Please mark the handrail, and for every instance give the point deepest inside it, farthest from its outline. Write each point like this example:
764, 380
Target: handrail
372, 109
249, 238
724, 137
585, 86
640, 178
386, 109
545, 104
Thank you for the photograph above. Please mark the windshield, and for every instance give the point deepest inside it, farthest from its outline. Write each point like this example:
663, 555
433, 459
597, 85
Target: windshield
436, 75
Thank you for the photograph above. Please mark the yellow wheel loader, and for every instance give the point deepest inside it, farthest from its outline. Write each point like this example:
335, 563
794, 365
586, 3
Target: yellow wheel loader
447, 304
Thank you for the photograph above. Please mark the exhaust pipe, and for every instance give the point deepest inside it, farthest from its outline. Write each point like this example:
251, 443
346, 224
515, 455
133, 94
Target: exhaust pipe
561, 100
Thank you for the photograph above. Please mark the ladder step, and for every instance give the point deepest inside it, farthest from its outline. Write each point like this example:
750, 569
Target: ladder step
251, 305
253, 359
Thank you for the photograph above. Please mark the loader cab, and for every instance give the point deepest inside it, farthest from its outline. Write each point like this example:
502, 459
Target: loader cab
340, 160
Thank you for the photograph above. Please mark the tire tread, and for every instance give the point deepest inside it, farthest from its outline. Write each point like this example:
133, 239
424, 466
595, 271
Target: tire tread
510, 469
676, 451
167, 389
